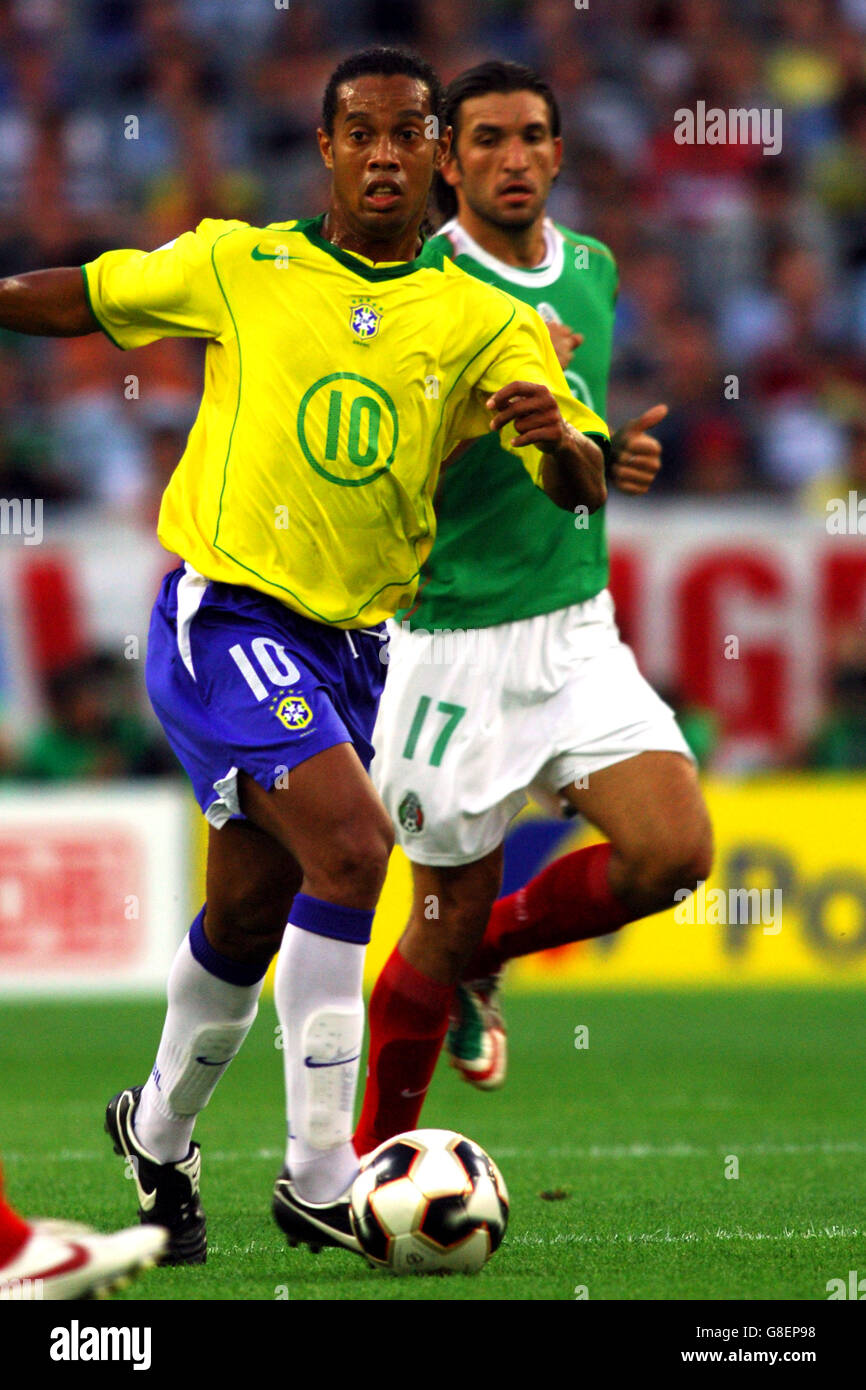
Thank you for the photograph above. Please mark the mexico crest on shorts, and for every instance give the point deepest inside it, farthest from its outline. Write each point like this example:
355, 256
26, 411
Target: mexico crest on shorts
410, 814
294, 712
365, 318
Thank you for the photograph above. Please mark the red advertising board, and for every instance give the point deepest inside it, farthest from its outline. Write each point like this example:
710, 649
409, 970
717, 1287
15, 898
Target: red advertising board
735, 607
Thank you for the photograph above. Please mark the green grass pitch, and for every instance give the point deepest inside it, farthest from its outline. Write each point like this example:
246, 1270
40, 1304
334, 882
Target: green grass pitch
636, 1130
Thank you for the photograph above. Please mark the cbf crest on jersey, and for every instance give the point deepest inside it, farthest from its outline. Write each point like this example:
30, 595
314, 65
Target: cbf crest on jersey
292, 711
365, 318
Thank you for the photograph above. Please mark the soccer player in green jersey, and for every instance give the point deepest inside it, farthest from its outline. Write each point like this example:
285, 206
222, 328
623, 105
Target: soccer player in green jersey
340, 372
507, 674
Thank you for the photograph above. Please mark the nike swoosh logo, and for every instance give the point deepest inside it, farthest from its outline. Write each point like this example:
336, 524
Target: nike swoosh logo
410, 1094
337, 1062
258, 255
344, 1236
146, 1200
206, 1061
77, 1259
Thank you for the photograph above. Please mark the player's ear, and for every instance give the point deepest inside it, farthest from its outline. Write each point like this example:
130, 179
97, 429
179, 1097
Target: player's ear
450, 169
325, 148
557, 154
443, 151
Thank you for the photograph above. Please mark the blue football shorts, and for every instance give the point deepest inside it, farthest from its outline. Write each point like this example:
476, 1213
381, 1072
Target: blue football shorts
242, 683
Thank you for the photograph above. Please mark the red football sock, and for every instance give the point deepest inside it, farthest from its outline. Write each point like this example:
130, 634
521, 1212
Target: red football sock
14, 1231
568, 901
408, 1022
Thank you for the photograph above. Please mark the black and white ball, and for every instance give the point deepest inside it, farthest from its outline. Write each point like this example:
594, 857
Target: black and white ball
429, 1201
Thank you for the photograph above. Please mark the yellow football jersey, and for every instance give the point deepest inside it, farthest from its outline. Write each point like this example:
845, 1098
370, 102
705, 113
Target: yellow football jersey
333, 389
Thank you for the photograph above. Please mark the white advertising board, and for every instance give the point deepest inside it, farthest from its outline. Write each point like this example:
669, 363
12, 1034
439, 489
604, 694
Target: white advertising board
94, 887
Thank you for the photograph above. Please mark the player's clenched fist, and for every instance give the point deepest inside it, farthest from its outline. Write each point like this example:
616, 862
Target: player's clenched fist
572, 474
535, 414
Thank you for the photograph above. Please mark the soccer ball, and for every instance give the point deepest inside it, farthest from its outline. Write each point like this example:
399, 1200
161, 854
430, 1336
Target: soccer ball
429, 1201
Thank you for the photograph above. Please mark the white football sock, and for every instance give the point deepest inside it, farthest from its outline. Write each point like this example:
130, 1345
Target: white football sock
205, 1024
317, 991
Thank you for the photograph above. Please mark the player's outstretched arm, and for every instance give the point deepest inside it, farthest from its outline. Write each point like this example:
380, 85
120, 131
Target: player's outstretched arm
573, 472
49, 302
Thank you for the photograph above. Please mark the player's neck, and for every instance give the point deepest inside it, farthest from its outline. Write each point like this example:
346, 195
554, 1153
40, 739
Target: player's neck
522, 247
336, 229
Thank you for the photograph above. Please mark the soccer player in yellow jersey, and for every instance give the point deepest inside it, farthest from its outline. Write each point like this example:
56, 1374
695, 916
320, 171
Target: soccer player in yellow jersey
340, 372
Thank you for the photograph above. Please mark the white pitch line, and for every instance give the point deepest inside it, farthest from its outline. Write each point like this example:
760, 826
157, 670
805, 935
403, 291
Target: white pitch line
600, 1151
593, 1151
688, 1237
94, 1156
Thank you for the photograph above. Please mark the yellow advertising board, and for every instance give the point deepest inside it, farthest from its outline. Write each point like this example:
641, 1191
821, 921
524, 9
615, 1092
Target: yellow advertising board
786, 901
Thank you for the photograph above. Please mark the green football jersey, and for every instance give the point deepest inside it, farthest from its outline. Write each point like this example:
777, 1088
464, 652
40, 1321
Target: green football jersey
503, 550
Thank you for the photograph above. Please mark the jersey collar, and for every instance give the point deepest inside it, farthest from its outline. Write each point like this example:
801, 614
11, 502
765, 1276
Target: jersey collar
359, 265
537, 277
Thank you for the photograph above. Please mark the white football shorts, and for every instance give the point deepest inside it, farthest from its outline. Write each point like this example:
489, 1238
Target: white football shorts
472, 722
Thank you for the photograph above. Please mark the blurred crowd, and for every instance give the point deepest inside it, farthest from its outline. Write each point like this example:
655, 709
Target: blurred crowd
743, 273
743, 299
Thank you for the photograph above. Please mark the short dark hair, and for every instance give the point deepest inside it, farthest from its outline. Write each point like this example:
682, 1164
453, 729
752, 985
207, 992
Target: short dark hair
380, 62
497, 76
493, 76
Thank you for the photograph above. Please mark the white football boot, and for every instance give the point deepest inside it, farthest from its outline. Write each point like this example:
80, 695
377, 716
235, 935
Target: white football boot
61, 1260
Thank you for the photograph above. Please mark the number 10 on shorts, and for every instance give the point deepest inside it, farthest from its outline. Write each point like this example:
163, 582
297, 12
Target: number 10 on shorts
274, 662
453, 714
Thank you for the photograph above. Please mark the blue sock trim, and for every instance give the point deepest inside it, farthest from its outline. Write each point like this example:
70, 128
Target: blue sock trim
328, 919
215, 963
